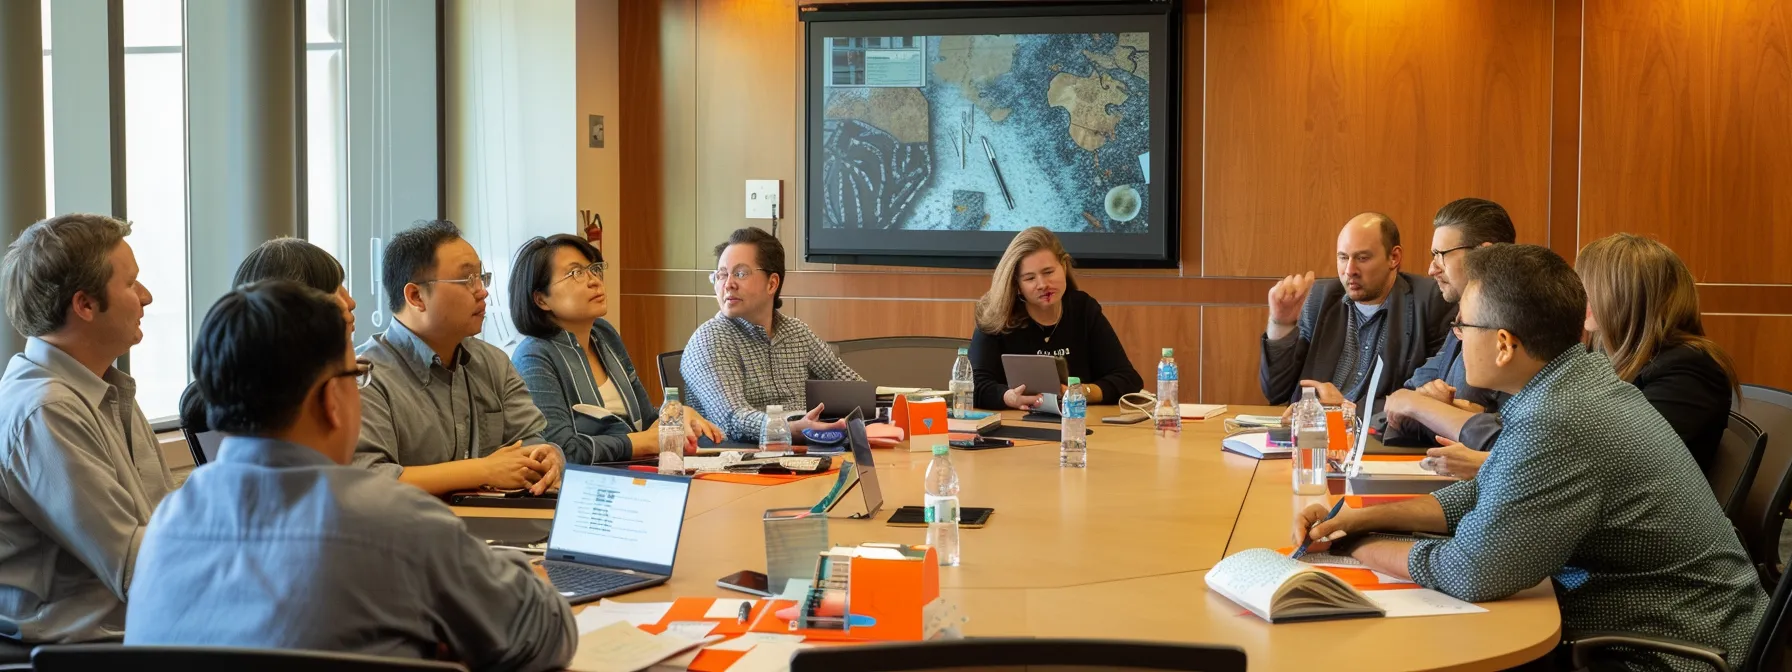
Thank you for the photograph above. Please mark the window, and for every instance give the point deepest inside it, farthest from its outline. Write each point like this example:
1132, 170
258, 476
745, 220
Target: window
326, 128
49, 131
156, 195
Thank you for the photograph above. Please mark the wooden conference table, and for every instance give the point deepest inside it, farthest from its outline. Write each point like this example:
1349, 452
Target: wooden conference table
1115, 551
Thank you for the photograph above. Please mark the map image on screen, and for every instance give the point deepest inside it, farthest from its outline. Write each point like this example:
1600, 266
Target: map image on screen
987, 132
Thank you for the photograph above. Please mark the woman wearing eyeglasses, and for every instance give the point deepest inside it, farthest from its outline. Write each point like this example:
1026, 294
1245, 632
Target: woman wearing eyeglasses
573, 362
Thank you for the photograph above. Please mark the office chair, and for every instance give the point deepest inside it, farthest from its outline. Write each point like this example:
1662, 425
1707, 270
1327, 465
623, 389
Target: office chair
1766, 654
902, 361
1764, 508
83, 657
1056, 653
670, 375
1732, 469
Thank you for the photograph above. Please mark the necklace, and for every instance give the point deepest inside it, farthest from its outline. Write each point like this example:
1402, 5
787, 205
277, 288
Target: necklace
1048, 334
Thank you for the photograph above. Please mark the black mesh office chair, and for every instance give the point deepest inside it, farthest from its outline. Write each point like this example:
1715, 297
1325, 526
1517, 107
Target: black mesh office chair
1008, 653
670, 375
902, 361
1766, 654
1763, 512
1732, 469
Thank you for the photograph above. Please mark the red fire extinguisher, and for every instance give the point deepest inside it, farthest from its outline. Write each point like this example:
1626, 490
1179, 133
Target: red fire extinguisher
593, 224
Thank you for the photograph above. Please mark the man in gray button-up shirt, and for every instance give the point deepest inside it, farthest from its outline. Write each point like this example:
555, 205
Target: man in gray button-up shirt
446, 411
80, 471
275, 544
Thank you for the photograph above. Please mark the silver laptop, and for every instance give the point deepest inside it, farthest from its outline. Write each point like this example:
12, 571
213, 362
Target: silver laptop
615, 531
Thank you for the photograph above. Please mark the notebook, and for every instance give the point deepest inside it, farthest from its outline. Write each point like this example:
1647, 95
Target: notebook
1277, 588
1255, 445
1202, 411
615, 531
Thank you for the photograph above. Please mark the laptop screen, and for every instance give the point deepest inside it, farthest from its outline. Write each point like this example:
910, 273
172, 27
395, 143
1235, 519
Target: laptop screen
619, 518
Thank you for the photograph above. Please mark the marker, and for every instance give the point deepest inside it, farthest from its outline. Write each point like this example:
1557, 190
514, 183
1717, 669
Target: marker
746, 609
1303, 545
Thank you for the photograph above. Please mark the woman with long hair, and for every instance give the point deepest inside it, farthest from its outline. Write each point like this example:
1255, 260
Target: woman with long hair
1643, 313
1033, 307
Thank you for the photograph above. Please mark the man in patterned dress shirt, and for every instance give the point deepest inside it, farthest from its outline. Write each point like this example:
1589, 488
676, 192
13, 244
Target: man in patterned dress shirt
1586, 485
749, 355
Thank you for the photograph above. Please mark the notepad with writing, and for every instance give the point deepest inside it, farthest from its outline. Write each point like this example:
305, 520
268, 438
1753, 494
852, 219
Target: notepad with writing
1277, 588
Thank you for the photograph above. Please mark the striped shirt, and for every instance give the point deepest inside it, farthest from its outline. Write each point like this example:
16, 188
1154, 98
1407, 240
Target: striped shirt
734, 369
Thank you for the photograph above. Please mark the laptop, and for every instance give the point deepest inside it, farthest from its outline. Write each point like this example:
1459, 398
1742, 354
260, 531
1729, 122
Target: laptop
1042, 374
861, 456
840, 397
615, 531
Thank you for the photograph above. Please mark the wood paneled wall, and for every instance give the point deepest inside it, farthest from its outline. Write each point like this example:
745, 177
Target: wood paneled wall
1666, 117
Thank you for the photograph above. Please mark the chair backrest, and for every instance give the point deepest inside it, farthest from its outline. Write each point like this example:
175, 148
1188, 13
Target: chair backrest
201, 441
1768, 653
670, 375
84, 657
1732, 469
1059, 654
1763, 510
902, 361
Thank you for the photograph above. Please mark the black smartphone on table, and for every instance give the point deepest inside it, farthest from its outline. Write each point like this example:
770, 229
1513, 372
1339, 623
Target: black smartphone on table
981, 443
747, 581
914, 516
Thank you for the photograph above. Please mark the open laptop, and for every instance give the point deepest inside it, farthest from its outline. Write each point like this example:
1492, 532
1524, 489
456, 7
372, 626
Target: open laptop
861, 456
615, 531
840, 397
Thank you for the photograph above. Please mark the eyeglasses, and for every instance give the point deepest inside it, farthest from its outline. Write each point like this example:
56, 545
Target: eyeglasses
363, 373
1458, 325
1437, 256
474, 282
581, 272
739, 273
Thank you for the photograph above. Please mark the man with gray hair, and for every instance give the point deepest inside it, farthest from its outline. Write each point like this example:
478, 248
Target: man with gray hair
80, 471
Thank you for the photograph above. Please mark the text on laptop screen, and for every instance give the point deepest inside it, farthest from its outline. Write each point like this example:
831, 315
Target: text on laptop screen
619, 516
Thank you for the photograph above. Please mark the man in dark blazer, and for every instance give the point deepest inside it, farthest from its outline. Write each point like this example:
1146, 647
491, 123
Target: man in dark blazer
1327, 334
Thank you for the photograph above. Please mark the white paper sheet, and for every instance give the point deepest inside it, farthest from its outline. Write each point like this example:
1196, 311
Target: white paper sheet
620, 647
1419, 602
633, 613
725, 608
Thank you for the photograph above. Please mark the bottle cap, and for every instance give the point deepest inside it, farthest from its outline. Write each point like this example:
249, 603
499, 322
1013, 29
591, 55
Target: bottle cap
1169, 352
964, 351
671, 393
774, 409
1075, 380
941, 448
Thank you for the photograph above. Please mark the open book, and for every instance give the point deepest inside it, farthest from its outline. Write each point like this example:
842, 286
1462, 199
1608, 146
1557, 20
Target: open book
1277, 588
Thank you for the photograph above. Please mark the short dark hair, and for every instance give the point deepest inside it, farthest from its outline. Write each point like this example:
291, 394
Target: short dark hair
245, 390
292, 259
1530, 291
1479, 220
411, 256
532, 271
769, 254
51, 261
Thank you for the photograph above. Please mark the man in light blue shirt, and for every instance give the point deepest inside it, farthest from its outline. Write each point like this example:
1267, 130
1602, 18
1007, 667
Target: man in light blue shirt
277, 544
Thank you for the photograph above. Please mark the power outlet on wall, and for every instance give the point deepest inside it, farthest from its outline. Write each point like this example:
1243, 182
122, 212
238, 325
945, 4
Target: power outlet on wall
762, 199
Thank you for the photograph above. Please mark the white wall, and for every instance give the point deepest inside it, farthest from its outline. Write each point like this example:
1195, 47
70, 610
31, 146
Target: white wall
600, 177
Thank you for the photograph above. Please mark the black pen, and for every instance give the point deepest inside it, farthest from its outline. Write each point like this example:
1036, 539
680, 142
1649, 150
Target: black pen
746, 608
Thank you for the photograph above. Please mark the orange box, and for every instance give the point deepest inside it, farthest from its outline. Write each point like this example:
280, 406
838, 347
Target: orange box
918, 418
893, 583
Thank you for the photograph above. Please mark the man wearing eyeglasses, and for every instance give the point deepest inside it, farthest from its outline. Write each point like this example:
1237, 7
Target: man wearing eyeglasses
1327, 335
276, 544
446, 411
1437, 402
749, 355
1587, 487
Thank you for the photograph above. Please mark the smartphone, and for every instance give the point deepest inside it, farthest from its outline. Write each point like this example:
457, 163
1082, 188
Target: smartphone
747, 581
981, 443
913, 516
1281, 437
1126, 419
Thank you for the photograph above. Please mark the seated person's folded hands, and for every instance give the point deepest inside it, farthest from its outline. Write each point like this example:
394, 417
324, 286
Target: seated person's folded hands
513, 467
552, 464
1454, 460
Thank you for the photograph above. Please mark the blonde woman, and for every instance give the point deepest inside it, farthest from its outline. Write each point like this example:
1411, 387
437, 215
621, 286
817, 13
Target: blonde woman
1033, 307
1643, 313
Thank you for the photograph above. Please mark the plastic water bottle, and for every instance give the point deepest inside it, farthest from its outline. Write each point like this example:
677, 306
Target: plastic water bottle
941, 506
1073, 450
1310, 441
776, 437
963, 386
672, 434
1168, 414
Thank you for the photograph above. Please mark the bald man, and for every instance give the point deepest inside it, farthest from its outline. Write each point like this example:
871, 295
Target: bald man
1326, 334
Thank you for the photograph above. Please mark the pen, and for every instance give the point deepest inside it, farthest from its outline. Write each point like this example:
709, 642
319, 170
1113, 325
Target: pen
746, 608
1303, 545
998, 170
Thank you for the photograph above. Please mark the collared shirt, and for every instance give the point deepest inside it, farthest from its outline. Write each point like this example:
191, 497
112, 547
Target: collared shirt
734, 369
1589, 485
272, 545
1366, 335
418, 412
80, 474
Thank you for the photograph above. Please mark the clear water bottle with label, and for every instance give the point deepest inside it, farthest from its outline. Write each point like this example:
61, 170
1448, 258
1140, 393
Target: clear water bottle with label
776, 437
940, 506
1310, 442
672, 434
1168, 413
1073, 450
963, 386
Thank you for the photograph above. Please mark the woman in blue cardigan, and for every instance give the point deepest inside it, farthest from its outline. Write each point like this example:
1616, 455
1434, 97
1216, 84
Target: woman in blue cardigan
573, 361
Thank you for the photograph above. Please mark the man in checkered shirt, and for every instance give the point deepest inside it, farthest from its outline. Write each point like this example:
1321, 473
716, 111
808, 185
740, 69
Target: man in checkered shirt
749, 355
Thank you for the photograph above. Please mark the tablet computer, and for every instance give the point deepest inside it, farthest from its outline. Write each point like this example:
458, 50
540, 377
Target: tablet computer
1042, 374
840, 397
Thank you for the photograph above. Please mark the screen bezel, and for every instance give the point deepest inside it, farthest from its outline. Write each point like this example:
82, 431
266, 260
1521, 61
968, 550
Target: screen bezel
555, 553
1092, 250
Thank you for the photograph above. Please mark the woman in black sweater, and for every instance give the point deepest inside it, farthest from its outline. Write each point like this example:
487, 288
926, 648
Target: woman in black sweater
1643, 312
1034, 308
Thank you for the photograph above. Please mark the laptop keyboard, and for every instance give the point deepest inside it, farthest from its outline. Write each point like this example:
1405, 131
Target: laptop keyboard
580, 579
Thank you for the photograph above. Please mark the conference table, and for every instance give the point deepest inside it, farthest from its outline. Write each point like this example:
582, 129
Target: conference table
1118, 550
